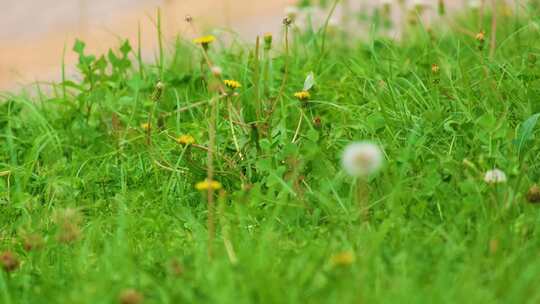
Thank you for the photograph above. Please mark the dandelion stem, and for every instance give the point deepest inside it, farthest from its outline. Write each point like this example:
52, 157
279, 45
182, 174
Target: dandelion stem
267, 67
256, 80
149, 124
362, 197
160, 43
482, 13
210, 175
286, 64
283, 81
139, 52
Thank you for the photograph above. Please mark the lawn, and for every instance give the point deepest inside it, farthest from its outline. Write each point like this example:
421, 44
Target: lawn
215, 173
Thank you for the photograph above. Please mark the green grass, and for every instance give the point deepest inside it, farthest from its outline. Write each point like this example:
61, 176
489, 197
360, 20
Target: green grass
436, 232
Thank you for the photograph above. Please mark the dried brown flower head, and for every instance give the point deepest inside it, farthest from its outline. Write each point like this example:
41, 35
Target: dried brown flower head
9, 261
287, 21
480, 38
493, 246
176, 268
317, 122
32, 242
130, 296
68, 222
533, 195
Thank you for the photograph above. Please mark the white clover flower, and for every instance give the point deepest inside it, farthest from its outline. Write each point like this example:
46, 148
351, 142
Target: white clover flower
495, 176
362, 159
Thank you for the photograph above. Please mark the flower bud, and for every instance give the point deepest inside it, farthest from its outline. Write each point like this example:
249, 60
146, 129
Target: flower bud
533, 195
268, 41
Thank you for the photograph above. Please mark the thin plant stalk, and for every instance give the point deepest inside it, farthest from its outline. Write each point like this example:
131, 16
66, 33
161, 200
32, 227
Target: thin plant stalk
139, 52
7, 174
64, 72
482, 13
160, 43
362, 197
211, 224
149, 126
298, 127
267, 67
235, 140
256, 80
285, 75
286, 65
493, 43
225, 228
327, 21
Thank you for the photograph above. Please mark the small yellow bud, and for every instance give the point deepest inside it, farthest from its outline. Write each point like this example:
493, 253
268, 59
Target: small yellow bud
185, 140
345, 258
146, 126
206, 184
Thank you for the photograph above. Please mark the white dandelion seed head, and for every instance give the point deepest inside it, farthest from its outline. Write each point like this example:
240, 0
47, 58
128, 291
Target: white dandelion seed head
291, 11
495, 176
362, 159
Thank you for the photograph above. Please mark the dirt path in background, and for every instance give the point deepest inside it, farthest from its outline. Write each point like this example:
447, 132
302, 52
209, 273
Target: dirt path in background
32, 50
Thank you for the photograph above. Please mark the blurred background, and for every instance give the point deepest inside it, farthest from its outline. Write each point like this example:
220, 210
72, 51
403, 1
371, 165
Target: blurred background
34, 33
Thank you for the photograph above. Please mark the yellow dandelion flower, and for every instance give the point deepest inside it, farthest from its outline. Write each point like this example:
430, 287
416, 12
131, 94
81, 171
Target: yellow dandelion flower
232, 84
302, 95
185, 140
345, 258
481, 36
146, 126
206, 184
204, 40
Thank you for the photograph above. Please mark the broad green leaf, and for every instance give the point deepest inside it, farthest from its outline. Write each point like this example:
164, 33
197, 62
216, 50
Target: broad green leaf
525, 132
79, 47
125, 48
